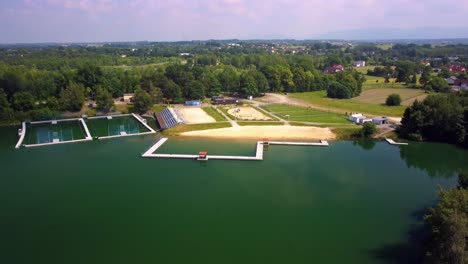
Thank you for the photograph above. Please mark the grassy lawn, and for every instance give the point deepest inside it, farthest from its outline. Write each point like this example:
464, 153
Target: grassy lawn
345, 132
320, 99
174, 131
305, 114
384, 46
373, 82
266, 113
158, 108
215, 114
259, 123
378, 96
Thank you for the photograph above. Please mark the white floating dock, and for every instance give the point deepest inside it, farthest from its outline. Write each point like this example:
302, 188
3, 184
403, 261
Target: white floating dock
392, 142
88, 135
23, 134
258, 153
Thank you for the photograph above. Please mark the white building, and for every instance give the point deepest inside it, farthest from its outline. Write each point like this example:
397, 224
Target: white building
359, 118
359, 63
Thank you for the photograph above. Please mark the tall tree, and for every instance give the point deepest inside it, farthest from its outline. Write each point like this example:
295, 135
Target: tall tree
426, 75
142, 101
104, 100
23, 101
90, 76
72, 98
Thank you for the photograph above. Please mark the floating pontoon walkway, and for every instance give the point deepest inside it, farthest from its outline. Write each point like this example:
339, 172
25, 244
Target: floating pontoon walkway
22, 135
391, 142
258, 156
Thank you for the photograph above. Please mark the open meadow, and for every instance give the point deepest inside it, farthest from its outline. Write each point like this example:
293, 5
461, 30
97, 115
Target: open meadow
302, 114
320, 99
378, 96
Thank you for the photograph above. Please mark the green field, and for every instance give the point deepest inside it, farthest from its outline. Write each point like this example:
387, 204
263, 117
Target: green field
385, 46
320, 99
378, 96
215, 114
301, 114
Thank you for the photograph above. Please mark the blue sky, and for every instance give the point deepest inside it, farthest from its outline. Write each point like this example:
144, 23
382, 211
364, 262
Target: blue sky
155, 20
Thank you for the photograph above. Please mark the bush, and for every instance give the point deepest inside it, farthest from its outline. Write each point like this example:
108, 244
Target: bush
338, 90
368, 129
393, 100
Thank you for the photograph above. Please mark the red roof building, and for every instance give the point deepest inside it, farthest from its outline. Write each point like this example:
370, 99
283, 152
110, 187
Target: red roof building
457, 68
334, 69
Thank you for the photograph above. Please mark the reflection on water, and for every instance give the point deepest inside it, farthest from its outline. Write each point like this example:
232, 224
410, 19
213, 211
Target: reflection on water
438, 160
365, 144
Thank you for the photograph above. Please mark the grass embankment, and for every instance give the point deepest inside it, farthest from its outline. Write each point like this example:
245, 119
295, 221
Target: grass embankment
260, 123
158, 108
174, 131
320, 99
225, 109
302, 114
215, 114
266, 113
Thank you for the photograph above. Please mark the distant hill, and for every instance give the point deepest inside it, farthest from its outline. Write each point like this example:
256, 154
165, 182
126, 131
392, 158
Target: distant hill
396, 33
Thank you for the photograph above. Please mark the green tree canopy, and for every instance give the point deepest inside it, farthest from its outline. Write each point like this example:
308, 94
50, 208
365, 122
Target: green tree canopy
23, 101
448, 223
142, 101
104, 100
393, 100
368, 129
72, 98
338, 90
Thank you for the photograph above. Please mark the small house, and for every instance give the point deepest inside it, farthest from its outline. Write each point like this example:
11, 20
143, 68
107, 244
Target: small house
359, 119
202, 155
457, 68
334, 69
128, 97
380, 120
451, 80
356, 118
193, 103
224, 101
460, 84
359, 63
425, 63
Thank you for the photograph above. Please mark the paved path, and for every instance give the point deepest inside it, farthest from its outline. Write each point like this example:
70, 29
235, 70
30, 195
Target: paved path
233, 122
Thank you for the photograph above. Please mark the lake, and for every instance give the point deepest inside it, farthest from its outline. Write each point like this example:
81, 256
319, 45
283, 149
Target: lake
100, 202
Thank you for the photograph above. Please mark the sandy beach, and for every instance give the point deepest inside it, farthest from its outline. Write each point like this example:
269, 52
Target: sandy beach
271, 132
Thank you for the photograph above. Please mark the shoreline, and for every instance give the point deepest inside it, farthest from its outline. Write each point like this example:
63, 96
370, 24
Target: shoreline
270, 132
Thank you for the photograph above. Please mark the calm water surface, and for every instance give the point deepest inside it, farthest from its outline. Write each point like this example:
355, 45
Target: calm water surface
99, 202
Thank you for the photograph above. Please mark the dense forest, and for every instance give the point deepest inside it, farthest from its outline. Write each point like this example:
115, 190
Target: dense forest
40, 82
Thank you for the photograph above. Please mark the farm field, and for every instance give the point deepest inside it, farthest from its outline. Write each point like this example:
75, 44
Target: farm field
301, 114
320, 99
378, 96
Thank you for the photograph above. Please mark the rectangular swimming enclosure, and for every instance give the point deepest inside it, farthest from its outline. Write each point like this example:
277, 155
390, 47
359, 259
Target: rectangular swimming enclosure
56, 132
115, 126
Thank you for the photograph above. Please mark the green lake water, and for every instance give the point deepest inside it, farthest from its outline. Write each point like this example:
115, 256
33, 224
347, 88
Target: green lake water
100, 202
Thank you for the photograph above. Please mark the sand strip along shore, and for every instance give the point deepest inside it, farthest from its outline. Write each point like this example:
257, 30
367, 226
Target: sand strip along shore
271, 132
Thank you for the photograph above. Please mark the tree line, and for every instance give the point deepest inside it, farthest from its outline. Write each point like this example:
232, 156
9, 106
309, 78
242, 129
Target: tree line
32, 93
439, 117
